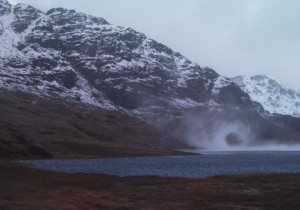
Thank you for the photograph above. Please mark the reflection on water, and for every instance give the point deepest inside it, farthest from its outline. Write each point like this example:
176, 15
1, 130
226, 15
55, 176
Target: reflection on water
198, 166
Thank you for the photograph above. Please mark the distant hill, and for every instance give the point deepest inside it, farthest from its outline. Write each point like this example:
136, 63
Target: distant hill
274, 97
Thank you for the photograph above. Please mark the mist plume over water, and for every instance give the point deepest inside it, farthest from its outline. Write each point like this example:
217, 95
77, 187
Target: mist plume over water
226, 132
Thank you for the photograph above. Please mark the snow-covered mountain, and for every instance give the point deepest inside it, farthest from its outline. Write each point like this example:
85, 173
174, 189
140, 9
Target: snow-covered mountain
69, 54
77, 57
274, 97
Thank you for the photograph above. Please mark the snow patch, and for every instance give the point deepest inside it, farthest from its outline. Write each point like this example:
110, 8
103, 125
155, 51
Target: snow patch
274, 97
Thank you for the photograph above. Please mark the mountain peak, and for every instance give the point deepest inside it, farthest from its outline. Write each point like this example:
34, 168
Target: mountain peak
65, 16
275, 97
264, 78
260, 77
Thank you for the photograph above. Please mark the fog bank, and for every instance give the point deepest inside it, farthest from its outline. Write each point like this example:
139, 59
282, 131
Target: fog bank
239, 131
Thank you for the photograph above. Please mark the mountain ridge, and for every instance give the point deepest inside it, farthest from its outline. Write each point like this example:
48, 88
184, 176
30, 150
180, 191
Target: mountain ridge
63, 54
99, 63
275, 97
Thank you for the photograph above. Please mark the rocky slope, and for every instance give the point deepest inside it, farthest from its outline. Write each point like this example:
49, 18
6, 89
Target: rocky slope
63, 54
274, 97
77, 56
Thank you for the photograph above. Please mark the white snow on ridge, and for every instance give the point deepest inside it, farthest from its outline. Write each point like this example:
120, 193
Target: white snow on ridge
9, 39
220, 83
274, 97
15, 79
125, 58
185, 103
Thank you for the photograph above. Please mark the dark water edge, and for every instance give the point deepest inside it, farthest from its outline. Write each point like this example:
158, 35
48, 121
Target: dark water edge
197, 166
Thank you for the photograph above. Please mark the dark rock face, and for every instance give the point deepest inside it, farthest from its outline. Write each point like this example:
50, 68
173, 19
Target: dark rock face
5, 7
233, 95
67, 49
1, 29
63, 53
24, 16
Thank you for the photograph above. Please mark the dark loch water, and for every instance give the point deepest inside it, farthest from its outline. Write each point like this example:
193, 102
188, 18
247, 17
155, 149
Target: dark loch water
198, 166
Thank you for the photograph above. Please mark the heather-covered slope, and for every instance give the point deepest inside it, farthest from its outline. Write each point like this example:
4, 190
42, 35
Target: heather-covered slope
26, 188
34, 127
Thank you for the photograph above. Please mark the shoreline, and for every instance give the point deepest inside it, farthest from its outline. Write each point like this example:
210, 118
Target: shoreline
23, 187
146, 153
204, 165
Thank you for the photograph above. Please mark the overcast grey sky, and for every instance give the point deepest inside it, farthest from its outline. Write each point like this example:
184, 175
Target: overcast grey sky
235, 37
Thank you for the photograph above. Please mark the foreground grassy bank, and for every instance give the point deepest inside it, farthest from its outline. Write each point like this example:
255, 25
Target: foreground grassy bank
26, 188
